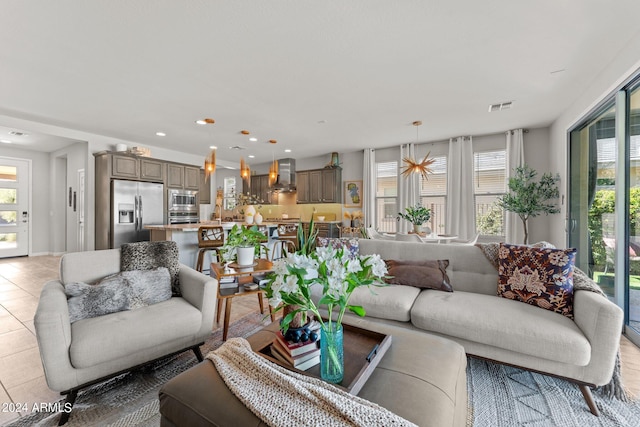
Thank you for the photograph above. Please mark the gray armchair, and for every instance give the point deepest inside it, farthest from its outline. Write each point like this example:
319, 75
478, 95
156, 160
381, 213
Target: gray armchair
88, 351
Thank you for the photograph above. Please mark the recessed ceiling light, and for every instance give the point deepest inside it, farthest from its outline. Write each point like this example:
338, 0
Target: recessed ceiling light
252, 139
213, 147
287, 151
206, 121
245, 132
230, 167
5, 141
251, 156
161, 134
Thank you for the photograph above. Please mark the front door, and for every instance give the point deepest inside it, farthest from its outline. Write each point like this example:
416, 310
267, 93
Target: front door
14, 207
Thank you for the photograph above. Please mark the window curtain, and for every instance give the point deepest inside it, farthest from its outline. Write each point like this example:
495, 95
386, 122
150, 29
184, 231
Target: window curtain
460, 201
409, 187
514, 232
369, 187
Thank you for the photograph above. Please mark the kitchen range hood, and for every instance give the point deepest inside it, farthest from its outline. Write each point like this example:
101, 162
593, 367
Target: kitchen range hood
286, 181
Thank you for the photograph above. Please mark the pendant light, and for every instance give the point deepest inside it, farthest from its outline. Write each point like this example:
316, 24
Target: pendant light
245, 171
210, 164
413, 166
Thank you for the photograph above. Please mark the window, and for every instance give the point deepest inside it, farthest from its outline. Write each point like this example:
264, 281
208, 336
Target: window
433, 193
386, 196
489, 182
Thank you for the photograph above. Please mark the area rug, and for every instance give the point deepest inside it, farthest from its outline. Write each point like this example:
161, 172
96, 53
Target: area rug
132, 399
503, 396
499, 396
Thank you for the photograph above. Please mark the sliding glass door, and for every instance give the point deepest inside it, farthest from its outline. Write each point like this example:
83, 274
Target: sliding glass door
604, 200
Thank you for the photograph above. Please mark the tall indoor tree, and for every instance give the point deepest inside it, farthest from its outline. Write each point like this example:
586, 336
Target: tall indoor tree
528, 197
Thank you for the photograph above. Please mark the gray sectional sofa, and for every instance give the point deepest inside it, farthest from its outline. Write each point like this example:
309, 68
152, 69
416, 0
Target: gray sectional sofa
582, 350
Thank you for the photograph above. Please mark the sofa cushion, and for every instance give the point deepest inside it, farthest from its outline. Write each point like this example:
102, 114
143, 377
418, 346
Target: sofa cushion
391, 302
127, 290
150, 255
420, 274
502, 323
542, 277
118, 335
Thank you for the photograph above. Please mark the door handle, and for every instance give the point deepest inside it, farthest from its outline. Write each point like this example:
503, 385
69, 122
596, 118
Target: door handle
135, 213
140, 212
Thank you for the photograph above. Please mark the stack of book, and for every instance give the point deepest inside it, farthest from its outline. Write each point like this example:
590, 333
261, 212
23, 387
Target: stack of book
228, 282
300, 355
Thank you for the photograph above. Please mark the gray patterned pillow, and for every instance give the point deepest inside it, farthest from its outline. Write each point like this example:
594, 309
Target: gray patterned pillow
150, 255
127, 290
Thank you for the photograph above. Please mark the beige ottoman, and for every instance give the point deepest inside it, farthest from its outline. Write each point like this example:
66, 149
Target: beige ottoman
422, 378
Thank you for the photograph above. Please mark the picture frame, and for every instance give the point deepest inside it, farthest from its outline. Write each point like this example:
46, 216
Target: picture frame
353, 194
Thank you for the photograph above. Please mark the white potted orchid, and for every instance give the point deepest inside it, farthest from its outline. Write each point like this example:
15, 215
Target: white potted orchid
338, 273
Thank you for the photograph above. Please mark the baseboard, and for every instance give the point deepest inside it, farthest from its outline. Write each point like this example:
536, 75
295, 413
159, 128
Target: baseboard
42, 254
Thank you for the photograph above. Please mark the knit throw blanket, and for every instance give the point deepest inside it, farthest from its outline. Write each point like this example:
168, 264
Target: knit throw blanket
280, 397
581, 282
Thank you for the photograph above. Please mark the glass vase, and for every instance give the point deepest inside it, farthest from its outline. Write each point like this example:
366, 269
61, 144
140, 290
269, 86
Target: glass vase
331, 353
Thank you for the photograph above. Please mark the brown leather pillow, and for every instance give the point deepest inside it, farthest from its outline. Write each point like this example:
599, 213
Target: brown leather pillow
429, 274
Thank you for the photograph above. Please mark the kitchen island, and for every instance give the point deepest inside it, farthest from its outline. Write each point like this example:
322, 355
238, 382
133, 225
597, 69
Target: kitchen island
186, 236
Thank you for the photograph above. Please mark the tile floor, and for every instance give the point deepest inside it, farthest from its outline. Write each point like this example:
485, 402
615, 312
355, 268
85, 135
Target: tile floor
21, 374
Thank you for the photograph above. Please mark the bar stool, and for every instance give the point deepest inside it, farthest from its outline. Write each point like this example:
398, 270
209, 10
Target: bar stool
210, 238
287, 240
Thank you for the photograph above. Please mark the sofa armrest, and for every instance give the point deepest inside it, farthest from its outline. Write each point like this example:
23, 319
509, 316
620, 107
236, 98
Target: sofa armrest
200, 291
601, 322
53, 332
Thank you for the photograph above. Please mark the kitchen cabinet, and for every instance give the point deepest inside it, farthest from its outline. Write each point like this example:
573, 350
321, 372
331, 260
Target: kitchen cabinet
124, 166
191, 178
319, 186
175, 175
302, 185
325, 229
204, 189
151, 170
259, 188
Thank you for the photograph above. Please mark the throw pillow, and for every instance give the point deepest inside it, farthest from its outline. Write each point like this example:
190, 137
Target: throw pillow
539, 276
420, 274
351, 244
151, 255
127, 290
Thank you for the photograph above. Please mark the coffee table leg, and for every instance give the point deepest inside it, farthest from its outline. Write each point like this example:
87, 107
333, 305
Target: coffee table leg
227, 316
261, 303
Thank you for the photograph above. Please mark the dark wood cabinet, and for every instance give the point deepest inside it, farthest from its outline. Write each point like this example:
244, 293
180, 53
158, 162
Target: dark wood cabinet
319, 186
259, 188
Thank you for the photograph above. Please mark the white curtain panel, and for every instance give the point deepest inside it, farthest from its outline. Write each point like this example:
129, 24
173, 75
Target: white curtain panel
514, 232
369, 187
460, 202
408, 188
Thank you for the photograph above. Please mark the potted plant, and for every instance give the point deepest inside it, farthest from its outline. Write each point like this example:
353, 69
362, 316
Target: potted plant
416, 215
245, 242
528, 197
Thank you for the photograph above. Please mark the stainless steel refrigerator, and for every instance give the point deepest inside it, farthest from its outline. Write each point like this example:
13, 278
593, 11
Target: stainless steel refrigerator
134, 205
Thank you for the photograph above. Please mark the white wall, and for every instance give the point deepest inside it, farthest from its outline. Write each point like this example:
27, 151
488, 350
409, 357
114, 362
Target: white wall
39, 212
610, 78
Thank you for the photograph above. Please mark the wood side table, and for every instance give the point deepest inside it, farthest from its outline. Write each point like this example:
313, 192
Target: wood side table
244, 276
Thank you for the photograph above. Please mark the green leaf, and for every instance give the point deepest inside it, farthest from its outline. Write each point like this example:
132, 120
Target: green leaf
357, 310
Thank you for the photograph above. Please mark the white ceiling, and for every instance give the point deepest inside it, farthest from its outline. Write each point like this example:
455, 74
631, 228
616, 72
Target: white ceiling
318, 76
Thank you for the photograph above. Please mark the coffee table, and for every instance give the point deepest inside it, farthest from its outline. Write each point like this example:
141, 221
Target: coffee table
363, 350
244, 275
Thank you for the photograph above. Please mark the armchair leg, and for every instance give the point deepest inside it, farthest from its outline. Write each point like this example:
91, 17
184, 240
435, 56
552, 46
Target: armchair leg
68, 406
588, 397
198, 353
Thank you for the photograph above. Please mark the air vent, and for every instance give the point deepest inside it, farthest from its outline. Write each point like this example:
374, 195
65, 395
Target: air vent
15, 133
237, 147
499, 107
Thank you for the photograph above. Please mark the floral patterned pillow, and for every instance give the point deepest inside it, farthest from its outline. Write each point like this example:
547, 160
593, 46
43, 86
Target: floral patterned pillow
538, 276
350, 243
